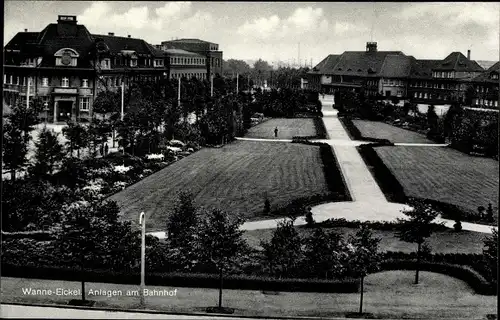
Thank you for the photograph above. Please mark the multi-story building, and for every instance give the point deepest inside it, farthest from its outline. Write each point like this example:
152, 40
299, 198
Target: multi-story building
54, 64
67, 66
485, 93
389, 74
182, 63
207, 49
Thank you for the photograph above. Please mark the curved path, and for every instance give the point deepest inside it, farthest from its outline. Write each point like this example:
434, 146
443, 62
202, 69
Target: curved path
368, 201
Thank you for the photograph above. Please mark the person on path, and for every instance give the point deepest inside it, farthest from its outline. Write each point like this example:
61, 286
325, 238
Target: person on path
106, 149
276, 132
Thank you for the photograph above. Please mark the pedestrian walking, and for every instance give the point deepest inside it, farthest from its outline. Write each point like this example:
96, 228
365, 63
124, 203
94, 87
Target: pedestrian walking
106, 149
276, 132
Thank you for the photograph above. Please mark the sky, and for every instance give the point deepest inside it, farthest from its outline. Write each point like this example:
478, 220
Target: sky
283, 31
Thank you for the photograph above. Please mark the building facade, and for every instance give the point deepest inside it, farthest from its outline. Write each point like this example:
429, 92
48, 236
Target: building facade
210, 50
390, 75
67, 66
484, 91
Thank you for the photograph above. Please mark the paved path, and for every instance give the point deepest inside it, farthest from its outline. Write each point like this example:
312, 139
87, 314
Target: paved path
369, 202
18, 311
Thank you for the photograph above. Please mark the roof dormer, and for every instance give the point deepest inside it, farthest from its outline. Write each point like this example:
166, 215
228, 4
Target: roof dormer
66, 57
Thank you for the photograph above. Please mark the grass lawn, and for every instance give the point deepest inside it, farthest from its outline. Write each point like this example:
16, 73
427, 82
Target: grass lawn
445, 175
447, 241
388, 294
381, 130
287, 128
233, 178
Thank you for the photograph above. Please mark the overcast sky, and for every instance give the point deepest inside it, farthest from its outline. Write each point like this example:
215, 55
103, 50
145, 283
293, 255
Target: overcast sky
272, 31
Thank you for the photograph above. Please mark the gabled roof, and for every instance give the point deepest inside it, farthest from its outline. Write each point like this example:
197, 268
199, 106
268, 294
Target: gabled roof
486, 76
485, 64
396, 66
456, 61
117, 44
49, 41
422, 69
21, 39
326, 64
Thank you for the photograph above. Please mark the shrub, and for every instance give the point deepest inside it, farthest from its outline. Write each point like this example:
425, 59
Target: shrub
332, 171
240, 282
390, 186
457, 226
309, 217
462, 272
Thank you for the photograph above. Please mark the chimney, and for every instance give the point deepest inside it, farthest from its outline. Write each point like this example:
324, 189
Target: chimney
111, 33
468, 54
371, 47
67, 26
129, 36
25, 30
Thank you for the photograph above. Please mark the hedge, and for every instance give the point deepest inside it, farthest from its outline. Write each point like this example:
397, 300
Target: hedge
35, 235
465, 273
375, 225
307, 201
388, 183
333, 174
355, 134
188, 280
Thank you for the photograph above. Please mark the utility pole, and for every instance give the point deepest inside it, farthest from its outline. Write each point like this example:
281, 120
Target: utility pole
237, 82
142, 222
122, 110
179, 93
27, 94
298, 57
212, 85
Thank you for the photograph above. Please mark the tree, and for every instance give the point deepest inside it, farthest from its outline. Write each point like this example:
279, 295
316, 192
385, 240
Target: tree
90, 235
77, 136
490, 255
25, 118
283, 253
15, 149
364, 257
222, 241
48, 153
417, 227
324, 254
182, 227
309, 217
432, 122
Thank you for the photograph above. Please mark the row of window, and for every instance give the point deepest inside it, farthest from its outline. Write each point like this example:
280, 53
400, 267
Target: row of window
22, 81
425, 95
84, 102
443, 74
189, 75
487, 103
423, 84
185, 60
391, 82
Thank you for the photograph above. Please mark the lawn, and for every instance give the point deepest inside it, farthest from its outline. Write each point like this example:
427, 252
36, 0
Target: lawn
447, 241
445, 175
380, 130
388, 294
287, 128
235, 178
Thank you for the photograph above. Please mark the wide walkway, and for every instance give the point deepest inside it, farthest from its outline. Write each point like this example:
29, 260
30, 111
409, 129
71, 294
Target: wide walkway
368, 201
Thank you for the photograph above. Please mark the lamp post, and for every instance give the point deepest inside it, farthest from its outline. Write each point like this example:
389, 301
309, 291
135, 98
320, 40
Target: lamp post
142, 222
46, 108
122, 108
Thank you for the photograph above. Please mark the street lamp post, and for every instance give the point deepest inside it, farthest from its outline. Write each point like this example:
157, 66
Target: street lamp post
46, 108
142, 222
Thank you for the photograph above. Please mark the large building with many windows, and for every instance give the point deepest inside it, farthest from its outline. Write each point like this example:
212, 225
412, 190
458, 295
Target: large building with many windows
67, 66
209, 50
393, 75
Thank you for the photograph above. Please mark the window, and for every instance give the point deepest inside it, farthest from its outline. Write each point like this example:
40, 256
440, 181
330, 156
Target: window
133, 62
415, 95
11, 81
65, 82
105, 64
24, 81
494, 76
496, 103
85, 83
45, 82
425, 95
84, 103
